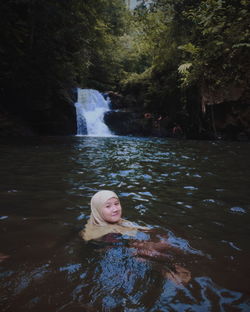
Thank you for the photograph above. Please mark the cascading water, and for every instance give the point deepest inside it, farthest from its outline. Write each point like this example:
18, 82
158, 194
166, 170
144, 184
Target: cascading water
90, 109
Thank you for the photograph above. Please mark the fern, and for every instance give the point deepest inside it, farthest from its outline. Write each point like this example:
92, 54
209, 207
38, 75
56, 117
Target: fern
184, 68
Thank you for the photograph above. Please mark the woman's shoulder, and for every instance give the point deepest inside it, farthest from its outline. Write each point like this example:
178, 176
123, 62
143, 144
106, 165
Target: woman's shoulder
133, 225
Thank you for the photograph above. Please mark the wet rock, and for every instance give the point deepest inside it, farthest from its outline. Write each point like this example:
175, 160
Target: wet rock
116, 99
128, 123
211, 96
232, 121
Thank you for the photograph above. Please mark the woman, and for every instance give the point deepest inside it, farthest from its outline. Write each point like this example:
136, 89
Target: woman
106, 222
105, 218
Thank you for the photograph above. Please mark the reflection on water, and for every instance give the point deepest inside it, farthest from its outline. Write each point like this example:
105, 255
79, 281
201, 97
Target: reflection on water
196, 192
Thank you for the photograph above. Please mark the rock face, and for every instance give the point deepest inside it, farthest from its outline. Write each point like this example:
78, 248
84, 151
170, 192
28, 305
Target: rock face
229, 110
231, 121
231, 93
117, 100
55, 116
217, 114
126, 118
128, 123
58, 120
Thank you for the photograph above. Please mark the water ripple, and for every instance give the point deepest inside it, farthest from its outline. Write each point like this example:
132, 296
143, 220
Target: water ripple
238, 210
196, 193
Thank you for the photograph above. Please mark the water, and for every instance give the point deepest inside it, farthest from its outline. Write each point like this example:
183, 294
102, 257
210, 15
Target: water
196, 192
90, 109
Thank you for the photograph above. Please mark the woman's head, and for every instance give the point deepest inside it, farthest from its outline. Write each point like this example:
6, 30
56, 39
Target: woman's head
105, 208
105, 217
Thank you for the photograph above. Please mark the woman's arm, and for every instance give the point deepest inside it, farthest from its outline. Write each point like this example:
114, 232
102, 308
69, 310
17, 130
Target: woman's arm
154, 249
159, 252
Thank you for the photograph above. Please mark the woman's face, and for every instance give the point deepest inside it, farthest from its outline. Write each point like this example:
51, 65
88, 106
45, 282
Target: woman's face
112, 210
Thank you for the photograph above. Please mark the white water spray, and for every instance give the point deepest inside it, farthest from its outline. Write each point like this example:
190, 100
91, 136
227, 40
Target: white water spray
90, 109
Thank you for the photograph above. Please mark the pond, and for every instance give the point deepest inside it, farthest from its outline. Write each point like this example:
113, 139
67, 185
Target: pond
197, 192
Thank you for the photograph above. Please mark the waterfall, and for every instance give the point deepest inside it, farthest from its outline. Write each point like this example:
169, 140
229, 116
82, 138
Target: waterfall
90, 109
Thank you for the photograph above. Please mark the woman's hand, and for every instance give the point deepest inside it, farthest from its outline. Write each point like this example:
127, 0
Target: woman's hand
161, 246
150, 250
158, 251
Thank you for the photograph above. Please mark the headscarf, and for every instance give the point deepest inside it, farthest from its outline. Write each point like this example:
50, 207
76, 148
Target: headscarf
97, 227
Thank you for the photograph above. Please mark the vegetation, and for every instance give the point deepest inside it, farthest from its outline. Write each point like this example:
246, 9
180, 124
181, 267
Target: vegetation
170, 58
194, 51
50, 47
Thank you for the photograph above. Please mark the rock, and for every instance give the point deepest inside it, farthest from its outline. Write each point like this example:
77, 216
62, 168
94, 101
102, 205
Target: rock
24, 114
128, 123
116, 99
59, 119
231, 93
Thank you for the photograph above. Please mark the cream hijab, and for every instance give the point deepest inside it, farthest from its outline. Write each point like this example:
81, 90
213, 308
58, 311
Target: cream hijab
97, 227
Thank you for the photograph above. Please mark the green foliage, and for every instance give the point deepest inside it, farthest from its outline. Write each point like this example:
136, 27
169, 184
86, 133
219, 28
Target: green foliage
222, 40
49, 47
105, 60
191, 42
159, 52
156, 42
174, 49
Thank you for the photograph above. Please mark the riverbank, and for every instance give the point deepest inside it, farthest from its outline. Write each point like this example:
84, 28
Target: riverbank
227, 126
221, 120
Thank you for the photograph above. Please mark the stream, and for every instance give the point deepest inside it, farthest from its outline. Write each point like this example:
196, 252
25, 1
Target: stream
197, 192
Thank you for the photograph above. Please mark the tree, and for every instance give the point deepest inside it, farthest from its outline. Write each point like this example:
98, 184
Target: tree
50, 47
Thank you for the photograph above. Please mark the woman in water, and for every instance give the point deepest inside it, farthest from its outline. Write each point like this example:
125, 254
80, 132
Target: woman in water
106, 225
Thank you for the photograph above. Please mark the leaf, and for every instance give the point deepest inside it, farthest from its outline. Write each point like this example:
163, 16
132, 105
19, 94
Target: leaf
183, 68
239, 45
189, 47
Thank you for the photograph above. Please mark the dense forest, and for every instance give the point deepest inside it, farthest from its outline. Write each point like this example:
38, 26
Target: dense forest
176, 68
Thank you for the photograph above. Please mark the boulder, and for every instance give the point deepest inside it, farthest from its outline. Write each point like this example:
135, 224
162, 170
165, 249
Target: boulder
128, 123
115, 98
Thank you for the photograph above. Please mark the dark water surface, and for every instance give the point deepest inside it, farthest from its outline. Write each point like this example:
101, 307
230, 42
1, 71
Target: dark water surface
196, 192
